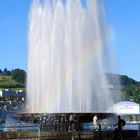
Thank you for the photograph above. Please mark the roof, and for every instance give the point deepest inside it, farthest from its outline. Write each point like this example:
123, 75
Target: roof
125, 107
126, 103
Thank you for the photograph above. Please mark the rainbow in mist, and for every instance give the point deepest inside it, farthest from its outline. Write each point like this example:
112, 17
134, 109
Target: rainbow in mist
66, 63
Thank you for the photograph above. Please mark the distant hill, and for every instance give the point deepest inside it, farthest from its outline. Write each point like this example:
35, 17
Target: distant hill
130, 89
6, 81
12, 79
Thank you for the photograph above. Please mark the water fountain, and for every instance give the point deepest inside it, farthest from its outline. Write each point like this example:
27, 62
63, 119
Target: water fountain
66, 64
66, 73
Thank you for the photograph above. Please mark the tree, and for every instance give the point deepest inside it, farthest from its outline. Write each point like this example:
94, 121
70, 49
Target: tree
0, 71
6, 72
19, 75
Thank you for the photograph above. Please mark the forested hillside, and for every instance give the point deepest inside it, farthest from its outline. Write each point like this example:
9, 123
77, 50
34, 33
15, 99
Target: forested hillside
12, 79
130, 89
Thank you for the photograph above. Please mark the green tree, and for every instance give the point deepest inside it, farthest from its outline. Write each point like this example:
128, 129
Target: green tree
18, 75
6, 72
0, 71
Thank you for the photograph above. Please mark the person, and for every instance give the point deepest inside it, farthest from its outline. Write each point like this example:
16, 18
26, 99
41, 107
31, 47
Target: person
71, 122
95, 123
119, 128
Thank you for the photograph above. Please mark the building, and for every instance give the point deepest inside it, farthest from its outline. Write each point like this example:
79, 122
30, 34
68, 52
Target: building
125, 107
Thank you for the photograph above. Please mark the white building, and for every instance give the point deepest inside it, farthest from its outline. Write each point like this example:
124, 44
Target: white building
125, 107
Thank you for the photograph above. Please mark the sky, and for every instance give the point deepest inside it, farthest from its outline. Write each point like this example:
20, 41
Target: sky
122, 16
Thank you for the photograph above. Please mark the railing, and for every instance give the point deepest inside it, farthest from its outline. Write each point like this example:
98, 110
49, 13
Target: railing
66, 127
108, 127
52, 130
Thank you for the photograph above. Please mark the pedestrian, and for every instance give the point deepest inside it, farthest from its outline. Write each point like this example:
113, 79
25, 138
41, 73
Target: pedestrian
95, 123
71, 122
119, 128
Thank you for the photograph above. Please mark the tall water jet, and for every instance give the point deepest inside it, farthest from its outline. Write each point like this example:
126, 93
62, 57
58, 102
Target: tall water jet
66, 64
